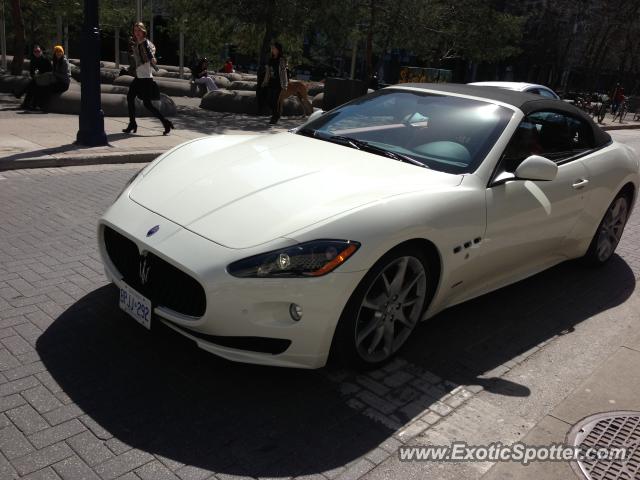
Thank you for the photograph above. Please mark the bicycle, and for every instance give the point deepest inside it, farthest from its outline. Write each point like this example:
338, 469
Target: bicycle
621, 112
602, 110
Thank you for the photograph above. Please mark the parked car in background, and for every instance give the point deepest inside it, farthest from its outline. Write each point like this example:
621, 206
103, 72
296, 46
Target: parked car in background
522, 87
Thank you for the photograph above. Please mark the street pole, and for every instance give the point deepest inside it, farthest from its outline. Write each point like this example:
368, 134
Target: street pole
151, 21
138, 10
3, 39
91, 132
353, 59
59, 30
117, 47
66, 38
181, 69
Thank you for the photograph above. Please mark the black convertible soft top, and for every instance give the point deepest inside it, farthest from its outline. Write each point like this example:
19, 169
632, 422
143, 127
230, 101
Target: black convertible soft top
526, 102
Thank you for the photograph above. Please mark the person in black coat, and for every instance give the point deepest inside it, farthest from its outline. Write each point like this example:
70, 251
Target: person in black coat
275, 79
262, 91
39, 64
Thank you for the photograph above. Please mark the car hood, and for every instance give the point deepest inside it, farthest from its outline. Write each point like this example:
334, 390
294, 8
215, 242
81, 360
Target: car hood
243, 191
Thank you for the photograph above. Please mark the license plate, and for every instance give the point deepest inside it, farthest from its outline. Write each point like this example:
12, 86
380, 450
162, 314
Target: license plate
136, 305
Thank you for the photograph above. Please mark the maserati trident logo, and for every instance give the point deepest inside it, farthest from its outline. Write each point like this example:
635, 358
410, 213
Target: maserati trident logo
153, 230
144, 269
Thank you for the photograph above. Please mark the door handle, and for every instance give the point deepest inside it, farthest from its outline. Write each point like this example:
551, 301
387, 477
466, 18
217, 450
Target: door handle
580, 183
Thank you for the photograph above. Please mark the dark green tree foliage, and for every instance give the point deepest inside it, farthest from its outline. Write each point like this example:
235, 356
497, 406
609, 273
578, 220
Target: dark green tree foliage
587, 38
434, 29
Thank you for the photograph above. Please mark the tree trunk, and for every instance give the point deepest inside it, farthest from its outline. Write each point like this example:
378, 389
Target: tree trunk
369, 54
18, 38
600, 54
268, 31
387, 41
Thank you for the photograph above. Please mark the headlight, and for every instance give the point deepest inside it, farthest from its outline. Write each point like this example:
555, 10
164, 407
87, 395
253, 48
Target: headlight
310, 259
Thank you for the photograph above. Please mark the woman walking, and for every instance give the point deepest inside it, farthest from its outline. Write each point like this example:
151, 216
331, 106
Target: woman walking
143, 54
275, 80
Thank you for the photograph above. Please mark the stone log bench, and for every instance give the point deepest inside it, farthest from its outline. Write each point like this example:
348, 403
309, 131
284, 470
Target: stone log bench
113, 104
174, 86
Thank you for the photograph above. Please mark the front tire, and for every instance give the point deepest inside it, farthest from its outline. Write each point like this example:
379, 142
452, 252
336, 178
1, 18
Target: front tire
602, 112
609, 232
384, 309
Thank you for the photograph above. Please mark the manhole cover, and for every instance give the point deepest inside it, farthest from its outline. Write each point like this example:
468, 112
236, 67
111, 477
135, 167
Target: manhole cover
606, 431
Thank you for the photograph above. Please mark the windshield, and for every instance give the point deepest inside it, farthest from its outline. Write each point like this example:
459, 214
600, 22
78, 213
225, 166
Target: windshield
445, 133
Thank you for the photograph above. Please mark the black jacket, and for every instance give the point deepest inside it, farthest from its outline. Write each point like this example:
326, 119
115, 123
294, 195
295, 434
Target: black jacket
42, 64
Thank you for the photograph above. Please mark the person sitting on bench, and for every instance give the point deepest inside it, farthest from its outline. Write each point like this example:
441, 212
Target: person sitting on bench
56, 81
39, 65
201, 76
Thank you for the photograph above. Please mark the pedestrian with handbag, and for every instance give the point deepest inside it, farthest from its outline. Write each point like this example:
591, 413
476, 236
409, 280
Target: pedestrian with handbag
53, 82
142, 53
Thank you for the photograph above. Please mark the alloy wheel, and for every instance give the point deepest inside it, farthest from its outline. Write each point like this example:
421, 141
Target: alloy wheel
611, 229
390, 309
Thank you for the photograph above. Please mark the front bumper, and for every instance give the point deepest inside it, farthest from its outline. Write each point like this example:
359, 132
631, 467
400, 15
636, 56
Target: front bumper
236, 307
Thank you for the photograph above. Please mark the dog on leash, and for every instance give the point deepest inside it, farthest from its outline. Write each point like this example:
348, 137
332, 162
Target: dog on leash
300, 90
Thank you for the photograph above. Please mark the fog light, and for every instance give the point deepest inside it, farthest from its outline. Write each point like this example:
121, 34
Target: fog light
284, 261
295, 311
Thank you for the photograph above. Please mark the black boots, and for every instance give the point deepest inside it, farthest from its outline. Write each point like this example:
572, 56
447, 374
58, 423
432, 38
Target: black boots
132, 127
167, 126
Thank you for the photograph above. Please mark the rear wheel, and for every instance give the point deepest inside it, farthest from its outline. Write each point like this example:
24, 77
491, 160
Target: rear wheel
384, 309
609, 232
602, 112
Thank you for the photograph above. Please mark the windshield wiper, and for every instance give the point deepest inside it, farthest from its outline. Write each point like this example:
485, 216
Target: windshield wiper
368, 147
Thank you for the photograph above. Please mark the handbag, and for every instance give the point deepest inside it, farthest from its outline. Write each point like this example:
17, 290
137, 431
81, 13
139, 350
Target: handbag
45, 79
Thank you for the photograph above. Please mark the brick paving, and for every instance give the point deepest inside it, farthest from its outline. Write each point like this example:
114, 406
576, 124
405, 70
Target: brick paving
87, 393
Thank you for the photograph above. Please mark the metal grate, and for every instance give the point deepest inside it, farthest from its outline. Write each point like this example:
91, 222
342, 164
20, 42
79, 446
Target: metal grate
167, 286
608, 430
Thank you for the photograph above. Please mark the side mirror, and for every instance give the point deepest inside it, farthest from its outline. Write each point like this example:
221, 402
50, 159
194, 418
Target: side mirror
536, 167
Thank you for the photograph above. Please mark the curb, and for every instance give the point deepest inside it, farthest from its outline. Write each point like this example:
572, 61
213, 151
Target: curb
49, 161
620, 127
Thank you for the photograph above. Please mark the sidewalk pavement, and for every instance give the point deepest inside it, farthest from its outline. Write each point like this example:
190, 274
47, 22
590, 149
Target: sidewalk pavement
612, 387
628, 123
35, 139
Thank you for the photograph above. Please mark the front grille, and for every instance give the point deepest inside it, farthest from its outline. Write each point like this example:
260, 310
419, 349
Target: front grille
166, 285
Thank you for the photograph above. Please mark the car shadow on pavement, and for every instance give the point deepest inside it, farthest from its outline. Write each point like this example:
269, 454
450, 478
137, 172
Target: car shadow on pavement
477, 341
157, 392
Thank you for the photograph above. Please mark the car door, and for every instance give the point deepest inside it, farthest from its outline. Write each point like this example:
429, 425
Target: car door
527, 221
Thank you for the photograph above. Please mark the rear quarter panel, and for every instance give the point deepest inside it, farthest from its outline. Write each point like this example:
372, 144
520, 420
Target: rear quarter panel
609, 169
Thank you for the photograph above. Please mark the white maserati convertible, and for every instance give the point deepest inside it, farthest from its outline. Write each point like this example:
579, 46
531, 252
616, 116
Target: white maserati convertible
332, 241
